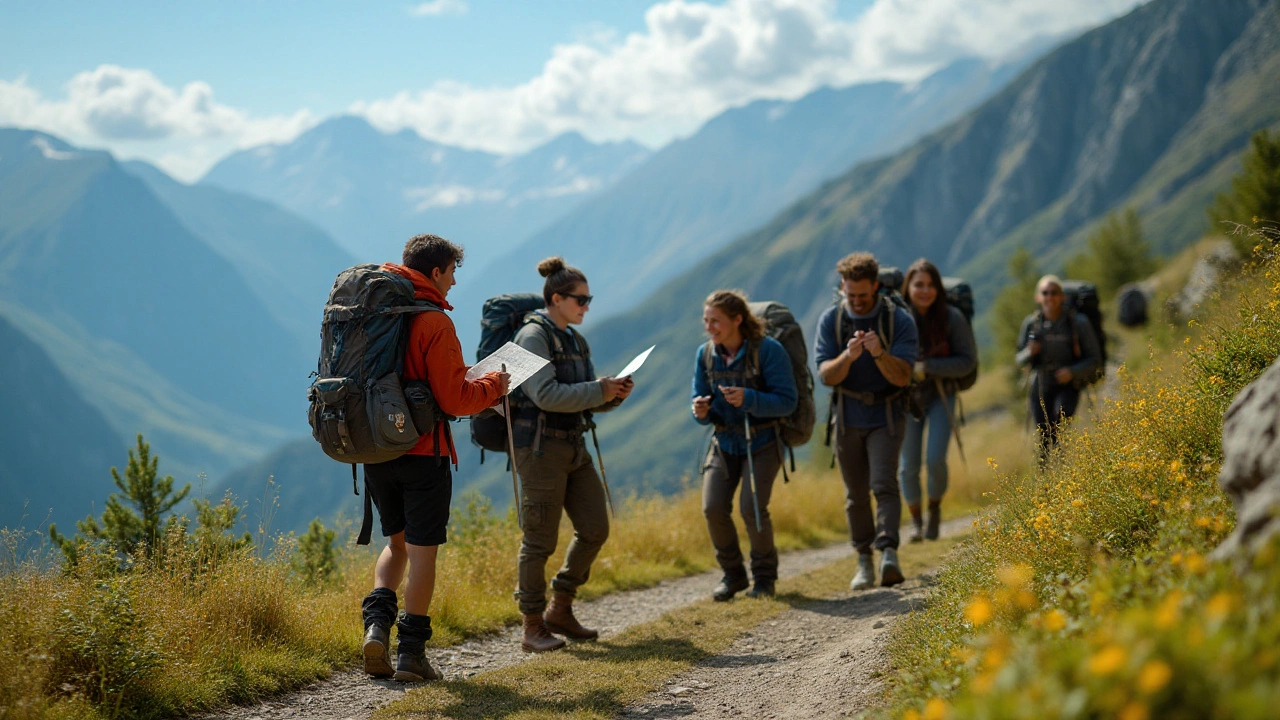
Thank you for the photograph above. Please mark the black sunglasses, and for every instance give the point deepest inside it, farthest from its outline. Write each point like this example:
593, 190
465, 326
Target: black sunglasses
583, 300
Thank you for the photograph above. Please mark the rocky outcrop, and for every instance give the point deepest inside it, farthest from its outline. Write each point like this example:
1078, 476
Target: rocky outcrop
1205, 278
1251, 465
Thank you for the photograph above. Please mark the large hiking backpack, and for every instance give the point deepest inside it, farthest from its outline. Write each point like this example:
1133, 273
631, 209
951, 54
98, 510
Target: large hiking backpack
891, 280
359, 412
780, 324
1082, 297
1131, 305
960, 295
500, 319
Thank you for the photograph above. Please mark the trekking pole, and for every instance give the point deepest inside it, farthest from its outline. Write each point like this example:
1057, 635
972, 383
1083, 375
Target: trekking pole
951, 417
751, 474
511, 453
604, 479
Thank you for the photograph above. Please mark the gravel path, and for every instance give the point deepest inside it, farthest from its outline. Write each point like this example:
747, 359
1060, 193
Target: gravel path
820, 659
351, 694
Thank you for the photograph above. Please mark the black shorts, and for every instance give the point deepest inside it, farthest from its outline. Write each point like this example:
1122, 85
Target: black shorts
412, 494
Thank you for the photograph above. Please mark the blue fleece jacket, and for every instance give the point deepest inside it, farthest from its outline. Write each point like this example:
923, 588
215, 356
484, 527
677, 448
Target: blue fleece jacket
777, 398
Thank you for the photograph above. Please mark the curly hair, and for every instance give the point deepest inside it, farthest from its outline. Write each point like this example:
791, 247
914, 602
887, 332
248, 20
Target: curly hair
734, 304
425, 253
859, 266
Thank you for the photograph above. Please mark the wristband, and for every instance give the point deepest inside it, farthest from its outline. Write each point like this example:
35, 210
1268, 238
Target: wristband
876, 357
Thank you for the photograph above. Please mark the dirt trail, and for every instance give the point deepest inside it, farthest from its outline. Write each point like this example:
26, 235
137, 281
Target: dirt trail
820, 659
351, 694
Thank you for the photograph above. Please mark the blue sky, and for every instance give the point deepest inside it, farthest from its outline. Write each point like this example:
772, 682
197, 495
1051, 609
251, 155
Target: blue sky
184, 83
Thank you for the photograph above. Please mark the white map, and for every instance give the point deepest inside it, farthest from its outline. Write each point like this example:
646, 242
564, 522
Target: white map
635, 364
521, 363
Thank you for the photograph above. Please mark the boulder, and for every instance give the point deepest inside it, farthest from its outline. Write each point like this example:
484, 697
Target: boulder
1251, 465
1131, 305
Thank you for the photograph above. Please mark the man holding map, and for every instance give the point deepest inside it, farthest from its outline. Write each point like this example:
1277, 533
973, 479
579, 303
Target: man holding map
412, 492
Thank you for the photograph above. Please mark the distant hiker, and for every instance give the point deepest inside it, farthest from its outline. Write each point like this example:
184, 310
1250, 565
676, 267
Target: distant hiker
1060, 348
948, 353
742, 383
412, 492
865, 348
552, 412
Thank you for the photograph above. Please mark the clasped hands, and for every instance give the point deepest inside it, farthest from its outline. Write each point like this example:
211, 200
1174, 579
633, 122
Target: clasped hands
862, 340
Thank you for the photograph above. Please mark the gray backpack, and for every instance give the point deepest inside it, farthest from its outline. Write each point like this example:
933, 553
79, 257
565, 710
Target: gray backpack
360, 411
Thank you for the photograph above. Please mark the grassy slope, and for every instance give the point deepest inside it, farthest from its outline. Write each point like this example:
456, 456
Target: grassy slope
1087, 589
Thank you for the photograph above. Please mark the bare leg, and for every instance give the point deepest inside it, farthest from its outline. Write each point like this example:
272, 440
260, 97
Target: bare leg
389, 570
422, 578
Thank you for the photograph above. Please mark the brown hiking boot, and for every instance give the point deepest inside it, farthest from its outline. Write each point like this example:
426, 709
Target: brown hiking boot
917, 524
559, 619
935, 520
536, 636
415, 668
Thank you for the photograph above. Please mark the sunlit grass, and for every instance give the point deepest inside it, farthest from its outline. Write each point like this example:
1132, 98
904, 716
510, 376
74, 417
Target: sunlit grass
1086, 587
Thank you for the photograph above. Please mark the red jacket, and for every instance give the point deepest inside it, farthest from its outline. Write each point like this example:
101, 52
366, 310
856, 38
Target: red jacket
434, 354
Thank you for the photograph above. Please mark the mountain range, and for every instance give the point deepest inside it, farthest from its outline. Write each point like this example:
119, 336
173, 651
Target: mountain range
373, 190
1151, 110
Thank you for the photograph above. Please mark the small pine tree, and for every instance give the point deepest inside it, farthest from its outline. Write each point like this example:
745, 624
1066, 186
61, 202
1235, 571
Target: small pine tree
1117, 254
137, 525
315, 559
1255, 193
214, 524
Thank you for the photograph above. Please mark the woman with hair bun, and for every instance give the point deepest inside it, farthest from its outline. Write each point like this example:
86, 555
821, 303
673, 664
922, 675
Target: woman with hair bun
551, 414
741, 377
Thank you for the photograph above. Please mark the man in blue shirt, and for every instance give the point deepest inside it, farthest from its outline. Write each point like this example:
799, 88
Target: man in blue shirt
865, 348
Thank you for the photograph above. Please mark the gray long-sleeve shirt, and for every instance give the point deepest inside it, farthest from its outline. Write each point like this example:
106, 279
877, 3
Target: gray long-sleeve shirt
963, 355
548, 393
1057, 344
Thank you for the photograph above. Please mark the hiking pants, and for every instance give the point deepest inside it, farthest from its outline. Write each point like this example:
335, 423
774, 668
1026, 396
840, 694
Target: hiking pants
869, 465
933, 432
561, 478
721, 476
1058, 403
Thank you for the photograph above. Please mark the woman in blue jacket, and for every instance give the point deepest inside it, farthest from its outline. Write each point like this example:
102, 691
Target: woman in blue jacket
740, 378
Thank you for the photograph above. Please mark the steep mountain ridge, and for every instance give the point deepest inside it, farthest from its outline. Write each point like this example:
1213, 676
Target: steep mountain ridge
287, 262
58, 449
740, 168
1128, 112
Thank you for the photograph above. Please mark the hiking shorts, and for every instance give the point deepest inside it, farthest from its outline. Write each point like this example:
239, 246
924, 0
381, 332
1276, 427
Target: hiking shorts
412, 494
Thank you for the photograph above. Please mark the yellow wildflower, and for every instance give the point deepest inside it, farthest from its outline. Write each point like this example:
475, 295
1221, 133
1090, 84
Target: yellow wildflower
936, 709
1054, 620
979, 611
1202, 522
1194, 563
1154, 676
1167, 613
1015, 576
911, 714
1077, 503
1134, 711
1219, 605
1107, 660
982, 682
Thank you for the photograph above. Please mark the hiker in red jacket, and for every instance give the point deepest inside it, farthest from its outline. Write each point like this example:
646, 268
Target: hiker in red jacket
412, 492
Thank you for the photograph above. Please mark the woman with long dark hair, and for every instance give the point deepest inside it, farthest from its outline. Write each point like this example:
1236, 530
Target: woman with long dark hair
552, 412
742, 383
947, 354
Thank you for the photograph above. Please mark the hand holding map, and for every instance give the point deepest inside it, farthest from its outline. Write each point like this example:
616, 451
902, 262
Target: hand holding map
520, 363
635, 364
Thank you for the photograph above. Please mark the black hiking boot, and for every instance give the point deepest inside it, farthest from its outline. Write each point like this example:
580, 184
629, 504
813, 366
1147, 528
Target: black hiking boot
729, 586
414, 668
935, 520
763, 588
377, 658
917, 524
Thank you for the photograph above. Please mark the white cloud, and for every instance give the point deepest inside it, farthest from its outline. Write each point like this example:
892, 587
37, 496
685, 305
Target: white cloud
439, 7
123, 108
437, 196
694, 60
